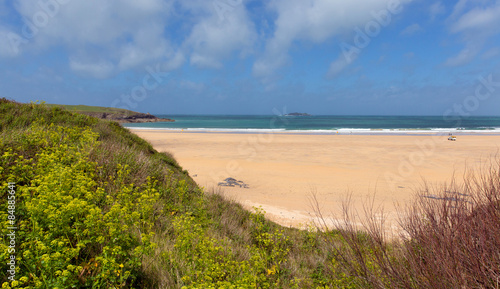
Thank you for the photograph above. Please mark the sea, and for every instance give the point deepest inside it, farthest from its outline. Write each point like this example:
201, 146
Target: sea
327, 124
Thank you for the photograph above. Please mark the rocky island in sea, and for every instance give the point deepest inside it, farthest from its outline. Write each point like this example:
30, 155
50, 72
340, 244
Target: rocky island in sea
297, 114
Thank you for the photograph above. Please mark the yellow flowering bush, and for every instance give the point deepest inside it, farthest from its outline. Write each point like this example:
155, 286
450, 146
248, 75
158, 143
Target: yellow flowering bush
210, 262
71, 232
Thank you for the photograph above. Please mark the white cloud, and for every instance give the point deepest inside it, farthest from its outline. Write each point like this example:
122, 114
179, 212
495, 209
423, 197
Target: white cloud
337, 66
205, 61
100, 69
491, 53
141, 51
312, 21
459, 8
131, 34
127, 33
176, 61
412, 29
479, 19
193, 86
218, 34
476, 23
463, 57
436, 9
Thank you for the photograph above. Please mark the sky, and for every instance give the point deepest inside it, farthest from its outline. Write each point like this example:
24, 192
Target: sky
323, 57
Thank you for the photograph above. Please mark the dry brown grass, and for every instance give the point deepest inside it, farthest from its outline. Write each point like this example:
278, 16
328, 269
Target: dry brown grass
450, 239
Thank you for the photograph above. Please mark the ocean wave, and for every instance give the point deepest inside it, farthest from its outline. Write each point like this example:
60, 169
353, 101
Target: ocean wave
361, 131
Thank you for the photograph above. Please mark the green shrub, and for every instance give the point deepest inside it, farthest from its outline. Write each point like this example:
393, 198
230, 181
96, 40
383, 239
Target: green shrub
71, 232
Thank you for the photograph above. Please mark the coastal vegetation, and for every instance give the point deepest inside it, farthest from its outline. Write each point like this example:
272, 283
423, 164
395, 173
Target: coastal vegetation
111, 113
97, 207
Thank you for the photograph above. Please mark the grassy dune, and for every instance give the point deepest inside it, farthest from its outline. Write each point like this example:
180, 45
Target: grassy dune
92, 109
97, 207
109, 113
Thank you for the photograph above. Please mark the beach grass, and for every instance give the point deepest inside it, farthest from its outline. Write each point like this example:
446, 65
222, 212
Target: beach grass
93, 109
98, 207
451, 240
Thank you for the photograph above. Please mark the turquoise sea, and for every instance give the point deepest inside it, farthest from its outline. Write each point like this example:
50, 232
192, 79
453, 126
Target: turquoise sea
327, 124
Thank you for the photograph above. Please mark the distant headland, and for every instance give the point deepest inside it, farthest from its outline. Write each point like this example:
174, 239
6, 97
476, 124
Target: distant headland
111, 113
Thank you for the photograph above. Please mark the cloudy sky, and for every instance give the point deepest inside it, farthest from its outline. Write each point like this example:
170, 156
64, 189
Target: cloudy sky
376, 57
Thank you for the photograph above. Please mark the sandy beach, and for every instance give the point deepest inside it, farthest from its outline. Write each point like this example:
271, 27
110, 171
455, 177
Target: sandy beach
283, 171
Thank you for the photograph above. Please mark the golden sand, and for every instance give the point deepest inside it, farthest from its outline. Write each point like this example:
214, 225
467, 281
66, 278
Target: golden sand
283, 171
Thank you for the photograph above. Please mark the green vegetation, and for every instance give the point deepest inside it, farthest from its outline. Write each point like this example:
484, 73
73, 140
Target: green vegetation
109, 113
93, 109
98, 207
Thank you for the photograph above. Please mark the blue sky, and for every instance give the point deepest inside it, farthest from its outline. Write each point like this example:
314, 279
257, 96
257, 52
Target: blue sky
375, 57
